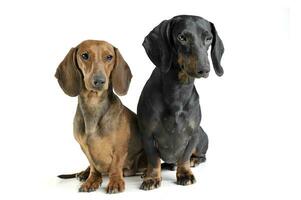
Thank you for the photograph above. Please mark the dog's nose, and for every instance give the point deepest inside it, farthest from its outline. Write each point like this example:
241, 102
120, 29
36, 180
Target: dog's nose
98, 81
204, 73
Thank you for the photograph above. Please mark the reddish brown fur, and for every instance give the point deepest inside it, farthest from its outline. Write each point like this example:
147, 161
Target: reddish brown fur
105, 129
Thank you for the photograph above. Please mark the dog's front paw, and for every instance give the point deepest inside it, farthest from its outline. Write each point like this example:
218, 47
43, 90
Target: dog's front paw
89, 187
150, 184
115, 186
185, 179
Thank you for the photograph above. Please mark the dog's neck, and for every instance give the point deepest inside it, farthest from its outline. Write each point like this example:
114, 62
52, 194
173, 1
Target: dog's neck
175, 87
93, 106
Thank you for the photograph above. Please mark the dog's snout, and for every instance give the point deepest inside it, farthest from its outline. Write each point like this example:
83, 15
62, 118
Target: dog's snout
203, 73
98, 81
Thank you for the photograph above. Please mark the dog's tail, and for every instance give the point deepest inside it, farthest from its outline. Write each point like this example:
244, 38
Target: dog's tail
83, 175
67, 176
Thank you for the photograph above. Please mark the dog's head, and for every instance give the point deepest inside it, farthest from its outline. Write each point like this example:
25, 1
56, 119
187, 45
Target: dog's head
93, 66
183, 41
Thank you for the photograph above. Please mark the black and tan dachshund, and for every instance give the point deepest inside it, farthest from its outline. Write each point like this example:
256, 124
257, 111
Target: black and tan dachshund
169, 112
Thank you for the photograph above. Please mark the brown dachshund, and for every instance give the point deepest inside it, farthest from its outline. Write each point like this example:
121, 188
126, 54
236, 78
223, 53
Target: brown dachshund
105, 129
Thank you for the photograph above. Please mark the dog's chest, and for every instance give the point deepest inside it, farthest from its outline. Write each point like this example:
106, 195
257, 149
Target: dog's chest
174, 133
98, 149
171, 145
93, 136
178, 122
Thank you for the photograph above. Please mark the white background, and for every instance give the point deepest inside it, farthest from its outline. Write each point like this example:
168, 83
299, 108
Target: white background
251, 114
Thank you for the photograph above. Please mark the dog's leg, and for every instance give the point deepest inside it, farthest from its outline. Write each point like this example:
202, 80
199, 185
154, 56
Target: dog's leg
116, 180
199, 155
184, 173
152, 179
93, 182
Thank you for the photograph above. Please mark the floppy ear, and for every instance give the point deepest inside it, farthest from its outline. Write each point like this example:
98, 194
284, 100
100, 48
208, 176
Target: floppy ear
157, 46
217, 50
68, 75
121, 75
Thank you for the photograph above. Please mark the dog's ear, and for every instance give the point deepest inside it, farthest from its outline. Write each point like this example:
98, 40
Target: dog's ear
68, 75
121, 75
217, 50
157, 45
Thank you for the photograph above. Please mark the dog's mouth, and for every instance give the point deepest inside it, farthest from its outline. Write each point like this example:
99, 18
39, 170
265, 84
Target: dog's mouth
194, 74
94, 93
205, 75
93, 90
96, 90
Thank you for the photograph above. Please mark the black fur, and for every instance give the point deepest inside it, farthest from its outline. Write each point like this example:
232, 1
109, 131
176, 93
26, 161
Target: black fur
168, 111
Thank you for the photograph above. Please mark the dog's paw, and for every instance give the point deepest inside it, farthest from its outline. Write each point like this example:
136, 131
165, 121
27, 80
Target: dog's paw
89, 187
115, 186
185, 179
195, 161
150, 184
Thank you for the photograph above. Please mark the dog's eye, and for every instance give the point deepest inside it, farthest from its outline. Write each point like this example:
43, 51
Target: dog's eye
181, 37
109, 57
85, 56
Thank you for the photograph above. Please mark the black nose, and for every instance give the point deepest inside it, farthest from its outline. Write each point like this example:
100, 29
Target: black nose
203, 73
98, 81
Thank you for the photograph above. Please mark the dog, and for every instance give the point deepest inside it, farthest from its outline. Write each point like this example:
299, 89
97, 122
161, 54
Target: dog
106, 130
168, 111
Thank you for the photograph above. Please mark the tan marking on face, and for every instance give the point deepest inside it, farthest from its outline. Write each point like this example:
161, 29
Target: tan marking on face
188, 63
183, 77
